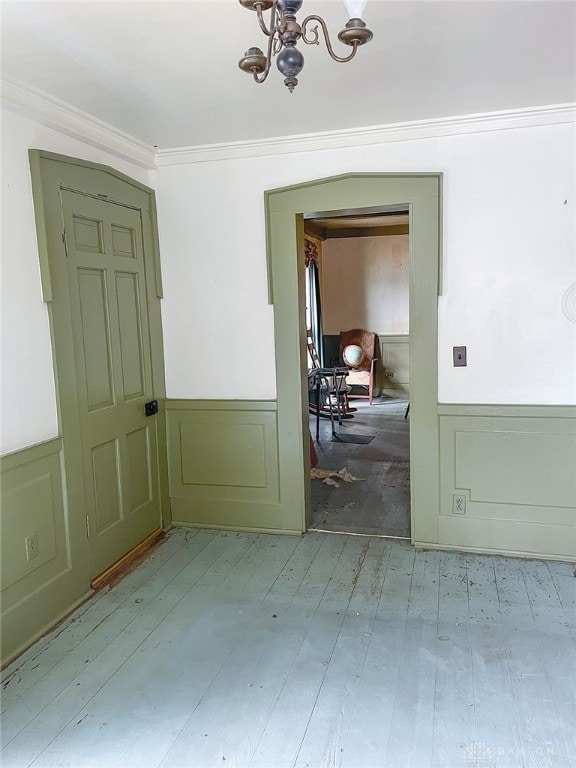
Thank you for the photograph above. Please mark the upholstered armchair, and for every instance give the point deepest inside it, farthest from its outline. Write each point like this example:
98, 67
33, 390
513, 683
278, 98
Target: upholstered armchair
362, 367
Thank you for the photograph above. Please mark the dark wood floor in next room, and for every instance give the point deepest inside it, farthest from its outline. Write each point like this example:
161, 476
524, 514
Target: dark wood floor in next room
379, 502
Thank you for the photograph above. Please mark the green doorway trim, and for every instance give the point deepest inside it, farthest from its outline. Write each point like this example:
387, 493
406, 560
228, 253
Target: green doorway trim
421, 194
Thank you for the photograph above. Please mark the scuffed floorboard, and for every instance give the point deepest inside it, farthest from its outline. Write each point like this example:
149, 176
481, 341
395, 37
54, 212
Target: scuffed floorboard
226, 649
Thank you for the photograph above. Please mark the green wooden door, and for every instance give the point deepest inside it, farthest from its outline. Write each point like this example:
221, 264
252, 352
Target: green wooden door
108, 305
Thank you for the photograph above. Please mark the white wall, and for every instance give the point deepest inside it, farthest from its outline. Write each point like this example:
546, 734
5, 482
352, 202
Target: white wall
509, 256
365, 284
28, 402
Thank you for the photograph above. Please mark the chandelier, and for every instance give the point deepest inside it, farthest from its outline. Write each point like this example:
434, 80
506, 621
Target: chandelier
284, 32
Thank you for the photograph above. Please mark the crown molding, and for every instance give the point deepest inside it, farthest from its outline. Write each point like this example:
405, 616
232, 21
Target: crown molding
54, 113
381, 134
73, 122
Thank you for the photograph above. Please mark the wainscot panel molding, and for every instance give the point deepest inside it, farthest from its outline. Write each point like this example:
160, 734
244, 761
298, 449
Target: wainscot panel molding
395, 360
223, 464
38, 590
508, 479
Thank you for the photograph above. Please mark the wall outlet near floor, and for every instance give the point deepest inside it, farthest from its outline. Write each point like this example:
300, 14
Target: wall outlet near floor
389, 374
31, 544
459, 504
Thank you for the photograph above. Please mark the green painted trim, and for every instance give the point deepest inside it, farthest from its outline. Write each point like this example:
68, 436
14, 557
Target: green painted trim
22, 456
227, 514
50, 172
513, 467
36, 158
43, 154
507, 411
269, 195
221, 405
440, 284
156, 246
223, 464
39, 218
240, 529
44, 629
421, 195
480, 551
269, 281
351, 176
36, 594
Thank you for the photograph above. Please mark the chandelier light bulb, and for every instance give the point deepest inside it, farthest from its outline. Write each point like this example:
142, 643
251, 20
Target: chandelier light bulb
355, 8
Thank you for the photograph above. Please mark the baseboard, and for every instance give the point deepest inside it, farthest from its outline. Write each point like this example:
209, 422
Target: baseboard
117, 569
488, 551
50, 627
237, 528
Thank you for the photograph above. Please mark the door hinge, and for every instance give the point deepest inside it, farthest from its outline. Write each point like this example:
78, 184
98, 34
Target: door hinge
87, 527
65, 241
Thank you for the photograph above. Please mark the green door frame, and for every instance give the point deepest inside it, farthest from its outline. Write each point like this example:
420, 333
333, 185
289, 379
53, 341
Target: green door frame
50, 173
421, 194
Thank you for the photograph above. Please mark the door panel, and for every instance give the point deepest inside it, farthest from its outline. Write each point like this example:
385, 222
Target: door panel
105, 476
107, 286
95, 346
140, 478
130, 334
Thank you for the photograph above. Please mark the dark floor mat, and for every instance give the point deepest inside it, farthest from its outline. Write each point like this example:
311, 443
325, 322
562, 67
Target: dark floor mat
360, 439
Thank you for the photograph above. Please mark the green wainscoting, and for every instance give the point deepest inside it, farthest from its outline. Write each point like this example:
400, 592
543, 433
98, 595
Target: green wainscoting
395, 360
223, 465
507, 485
37, 592
507, 474
508, 479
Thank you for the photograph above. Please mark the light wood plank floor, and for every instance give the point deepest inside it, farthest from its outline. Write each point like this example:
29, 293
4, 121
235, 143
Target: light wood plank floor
225, 649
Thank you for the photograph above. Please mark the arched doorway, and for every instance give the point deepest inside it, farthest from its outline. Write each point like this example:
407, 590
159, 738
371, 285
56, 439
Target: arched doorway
420, 194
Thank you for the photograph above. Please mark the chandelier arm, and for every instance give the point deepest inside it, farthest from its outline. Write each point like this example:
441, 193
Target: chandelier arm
313, 39
262, 22
263, 75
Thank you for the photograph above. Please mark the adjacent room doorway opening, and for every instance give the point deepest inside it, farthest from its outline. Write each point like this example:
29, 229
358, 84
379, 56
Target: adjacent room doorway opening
357, 277
421, 195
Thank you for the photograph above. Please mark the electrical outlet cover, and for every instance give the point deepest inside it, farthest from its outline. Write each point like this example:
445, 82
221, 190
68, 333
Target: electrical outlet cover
459, 504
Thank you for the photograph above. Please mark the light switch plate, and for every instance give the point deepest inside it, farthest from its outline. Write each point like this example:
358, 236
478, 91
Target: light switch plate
459, 354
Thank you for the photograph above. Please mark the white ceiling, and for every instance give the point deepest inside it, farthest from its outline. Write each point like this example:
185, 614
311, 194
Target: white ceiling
166, 72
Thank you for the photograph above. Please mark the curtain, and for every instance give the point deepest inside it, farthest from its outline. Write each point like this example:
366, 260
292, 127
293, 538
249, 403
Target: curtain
313, 301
